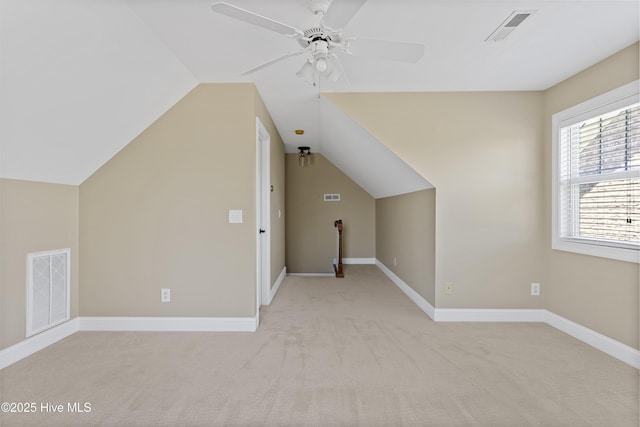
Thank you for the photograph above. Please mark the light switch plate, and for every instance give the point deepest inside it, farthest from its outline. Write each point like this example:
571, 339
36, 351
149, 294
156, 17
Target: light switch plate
235, 216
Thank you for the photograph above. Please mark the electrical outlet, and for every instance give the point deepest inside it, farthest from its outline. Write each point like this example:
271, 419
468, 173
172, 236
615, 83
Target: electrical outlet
535, 289
165, 295
395, 261
448, 288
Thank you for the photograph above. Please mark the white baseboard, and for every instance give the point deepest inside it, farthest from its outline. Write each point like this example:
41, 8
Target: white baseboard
408, 290
489, 315
345, 261
31, 345
279, 280
182, 324
613, 348
358, 261
620, 351
312, 274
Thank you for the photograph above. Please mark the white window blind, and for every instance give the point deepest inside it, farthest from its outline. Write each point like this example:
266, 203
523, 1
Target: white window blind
47, 289
599, 178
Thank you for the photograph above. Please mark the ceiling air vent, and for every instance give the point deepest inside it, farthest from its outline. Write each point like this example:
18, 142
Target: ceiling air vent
508, 25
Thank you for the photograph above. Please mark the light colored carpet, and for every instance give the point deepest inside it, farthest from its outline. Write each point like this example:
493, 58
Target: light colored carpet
330, 352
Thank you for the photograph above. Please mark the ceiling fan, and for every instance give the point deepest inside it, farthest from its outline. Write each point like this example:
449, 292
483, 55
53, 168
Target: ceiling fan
321, 37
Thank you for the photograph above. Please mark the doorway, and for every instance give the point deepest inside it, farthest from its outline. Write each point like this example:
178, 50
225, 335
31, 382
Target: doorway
263, 217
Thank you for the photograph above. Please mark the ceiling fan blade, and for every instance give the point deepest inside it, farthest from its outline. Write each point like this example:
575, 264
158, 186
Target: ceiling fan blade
385, 49
274, 61
340, 12
254, 19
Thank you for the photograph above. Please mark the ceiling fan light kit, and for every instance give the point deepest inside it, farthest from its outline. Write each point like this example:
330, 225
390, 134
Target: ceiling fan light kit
307, 72
321, 65
304, 156
322, 39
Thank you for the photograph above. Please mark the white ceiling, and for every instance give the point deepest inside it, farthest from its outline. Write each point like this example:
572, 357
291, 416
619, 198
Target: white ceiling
79, 79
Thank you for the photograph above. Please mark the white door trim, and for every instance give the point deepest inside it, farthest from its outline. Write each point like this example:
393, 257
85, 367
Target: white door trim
263, 217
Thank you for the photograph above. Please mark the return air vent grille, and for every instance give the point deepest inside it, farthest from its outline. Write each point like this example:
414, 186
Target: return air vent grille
332, 197
508, 25
517, 20
47, 289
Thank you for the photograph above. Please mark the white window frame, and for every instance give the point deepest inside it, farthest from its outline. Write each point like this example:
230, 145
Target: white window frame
610, 101
30, 256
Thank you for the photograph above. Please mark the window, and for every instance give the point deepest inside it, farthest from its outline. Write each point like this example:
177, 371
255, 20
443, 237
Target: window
47, 290
596, 202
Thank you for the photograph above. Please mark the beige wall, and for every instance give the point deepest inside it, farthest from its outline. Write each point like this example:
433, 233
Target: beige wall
278, 193
598, 293
483, 153
34, 217
156, 215
405, 239
310, 233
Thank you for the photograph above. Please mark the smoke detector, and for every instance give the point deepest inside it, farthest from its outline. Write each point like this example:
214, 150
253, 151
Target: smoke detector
508, 25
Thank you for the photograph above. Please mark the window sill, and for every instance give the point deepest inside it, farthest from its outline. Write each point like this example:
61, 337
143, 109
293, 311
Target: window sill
620, 254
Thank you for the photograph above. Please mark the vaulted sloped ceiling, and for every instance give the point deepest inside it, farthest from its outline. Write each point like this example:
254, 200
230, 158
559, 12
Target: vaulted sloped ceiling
79, 79
367, 161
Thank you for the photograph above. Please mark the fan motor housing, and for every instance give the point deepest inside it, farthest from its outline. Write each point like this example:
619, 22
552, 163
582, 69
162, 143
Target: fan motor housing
316, 33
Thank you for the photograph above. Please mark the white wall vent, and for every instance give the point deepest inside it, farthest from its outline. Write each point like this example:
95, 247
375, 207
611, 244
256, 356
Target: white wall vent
508, 25
332, 197
48, 289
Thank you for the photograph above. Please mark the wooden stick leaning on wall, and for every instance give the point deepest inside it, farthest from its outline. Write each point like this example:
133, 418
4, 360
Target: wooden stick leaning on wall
338, 267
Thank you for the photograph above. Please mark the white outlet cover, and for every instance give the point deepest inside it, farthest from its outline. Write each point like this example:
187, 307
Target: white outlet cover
535, 289
448, 288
